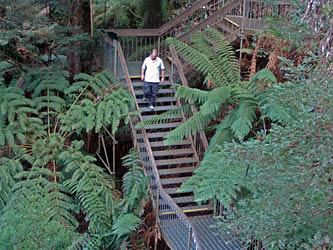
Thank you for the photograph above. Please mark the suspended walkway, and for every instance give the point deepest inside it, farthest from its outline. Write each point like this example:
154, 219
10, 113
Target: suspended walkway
183, 223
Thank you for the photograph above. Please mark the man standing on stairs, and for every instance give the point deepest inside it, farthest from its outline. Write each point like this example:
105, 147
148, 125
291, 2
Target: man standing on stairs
152, 67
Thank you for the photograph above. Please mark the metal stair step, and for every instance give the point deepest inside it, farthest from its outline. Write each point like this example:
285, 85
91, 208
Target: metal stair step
198, 208
171, 191
154, 135
222, 24
176, 161
185, 199
160, 91
158, 99
176, 171
163, 125
146, 117
178, 180
158, 108
161, 143
173, 152
140, 83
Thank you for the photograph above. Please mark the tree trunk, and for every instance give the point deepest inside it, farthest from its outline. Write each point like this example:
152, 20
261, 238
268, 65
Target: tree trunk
153, 14
80, 22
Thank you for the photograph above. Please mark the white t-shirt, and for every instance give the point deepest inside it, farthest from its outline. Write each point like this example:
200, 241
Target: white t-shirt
153, 68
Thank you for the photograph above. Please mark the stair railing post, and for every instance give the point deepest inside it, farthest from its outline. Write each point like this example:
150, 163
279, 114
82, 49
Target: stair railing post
156, 217
115, 58
189, 239
242, 34
158, 46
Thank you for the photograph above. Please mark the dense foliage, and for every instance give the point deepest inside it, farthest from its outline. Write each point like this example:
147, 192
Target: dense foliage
284, 178
276, 181
47, 177
52, 186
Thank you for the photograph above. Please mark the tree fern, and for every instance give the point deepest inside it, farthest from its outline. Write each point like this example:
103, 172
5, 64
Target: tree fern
247, 97
56, 172
99, 101
46, 79
93, 187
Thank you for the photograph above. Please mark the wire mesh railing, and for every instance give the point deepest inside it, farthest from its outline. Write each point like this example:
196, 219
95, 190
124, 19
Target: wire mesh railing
256, 12
175, 226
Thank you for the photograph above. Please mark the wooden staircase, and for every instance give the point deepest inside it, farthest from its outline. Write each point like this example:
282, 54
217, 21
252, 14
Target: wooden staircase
176, 162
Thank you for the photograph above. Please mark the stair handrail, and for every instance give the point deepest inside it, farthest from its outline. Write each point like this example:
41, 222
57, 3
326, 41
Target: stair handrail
228, 5
179, 19
162, 192
165, 28
170, 24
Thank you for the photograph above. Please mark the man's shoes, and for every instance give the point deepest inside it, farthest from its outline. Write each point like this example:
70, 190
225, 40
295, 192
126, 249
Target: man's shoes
145, 99
151, 107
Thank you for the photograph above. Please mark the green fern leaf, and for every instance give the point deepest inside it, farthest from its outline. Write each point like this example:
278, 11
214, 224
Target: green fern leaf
242, 118
125, 225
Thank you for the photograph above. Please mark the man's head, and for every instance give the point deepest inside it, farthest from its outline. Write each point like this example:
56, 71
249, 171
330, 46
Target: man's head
154, 54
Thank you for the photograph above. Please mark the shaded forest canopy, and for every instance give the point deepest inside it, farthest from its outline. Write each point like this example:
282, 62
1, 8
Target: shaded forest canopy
269, 122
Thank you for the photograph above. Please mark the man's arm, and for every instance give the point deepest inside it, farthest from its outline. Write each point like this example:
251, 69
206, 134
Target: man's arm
142, 74
143, 68
162, 80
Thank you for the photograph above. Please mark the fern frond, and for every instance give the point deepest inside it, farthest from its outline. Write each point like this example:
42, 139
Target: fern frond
98, 83
6, 67
225, 54
216, 98
216, 178
194, 124
8, 169
80, 243
93, 187
261, 80
223, 134
134, 182
51, 102
109, 108
46, 79
199, 60
125, 225
242, 118
273, 106
191, 94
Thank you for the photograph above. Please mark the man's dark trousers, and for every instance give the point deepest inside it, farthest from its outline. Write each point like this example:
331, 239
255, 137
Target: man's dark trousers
150, 89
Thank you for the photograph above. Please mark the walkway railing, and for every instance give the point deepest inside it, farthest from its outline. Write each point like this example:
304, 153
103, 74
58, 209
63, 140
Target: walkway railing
232, 16
171, 220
